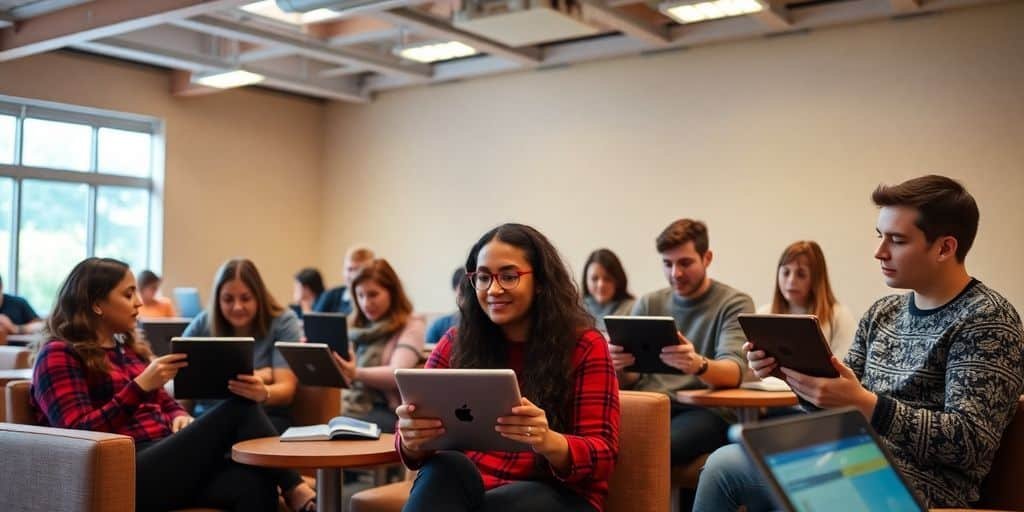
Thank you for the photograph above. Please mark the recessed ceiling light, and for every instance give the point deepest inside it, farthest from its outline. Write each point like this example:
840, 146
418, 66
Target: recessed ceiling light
229, 79
269, 9
434, 52
689, 11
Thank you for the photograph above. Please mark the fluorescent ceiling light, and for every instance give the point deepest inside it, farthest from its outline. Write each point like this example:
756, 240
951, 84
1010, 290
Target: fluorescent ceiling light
229, 79
433, 52
269, 9
692, 12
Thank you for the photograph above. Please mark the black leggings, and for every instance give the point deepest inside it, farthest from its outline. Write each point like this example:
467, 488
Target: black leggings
450, 482
193, 467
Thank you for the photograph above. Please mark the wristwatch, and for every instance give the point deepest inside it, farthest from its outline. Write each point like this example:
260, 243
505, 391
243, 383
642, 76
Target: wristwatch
703, 367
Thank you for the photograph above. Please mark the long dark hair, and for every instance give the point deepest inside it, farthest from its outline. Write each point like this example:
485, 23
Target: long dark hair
556, 321
73, 319
607, 259
244, 270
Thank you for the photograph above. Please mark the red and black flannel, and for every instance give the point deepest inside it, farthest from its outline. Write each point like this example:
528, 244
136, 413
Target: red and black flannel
63, 396
593, 439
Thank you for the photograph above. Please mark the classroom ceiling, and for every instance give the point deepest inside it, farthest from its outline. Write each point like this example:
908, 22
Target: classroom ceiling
352, 50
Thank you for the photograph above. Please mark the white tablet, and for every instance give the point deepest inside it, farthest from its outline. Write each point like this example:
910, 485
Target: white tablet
468, 403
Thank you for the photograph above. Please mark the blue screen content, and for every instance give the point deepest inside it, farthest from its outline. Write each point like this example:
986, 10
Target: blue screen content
851, 475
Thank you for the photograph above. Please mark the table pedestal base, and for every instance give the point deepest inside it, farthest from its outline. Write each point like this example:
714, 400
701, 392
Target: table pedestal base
328, 490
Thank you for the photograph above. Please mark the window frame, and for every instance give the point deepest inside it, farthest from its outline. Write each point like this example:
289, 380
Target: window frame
24, 108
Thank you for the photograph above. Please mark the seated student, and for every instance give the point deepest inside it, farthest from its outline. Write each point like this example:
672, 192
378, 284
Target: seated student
241, 305
802, 288
16, 315
153, 305
91, 375
339, 300
709, 352
937, 371
385, 335
441, 325
605, 287
520, 310
309, 286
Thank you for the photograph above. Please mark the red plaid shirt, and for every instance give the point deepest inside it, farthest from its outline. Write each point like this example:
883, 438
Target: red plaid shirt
593, 441
63, 397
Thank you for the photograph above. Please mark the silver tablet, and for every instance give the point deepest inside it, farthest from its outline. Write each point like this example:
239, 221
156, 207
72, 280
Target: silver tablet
468, 403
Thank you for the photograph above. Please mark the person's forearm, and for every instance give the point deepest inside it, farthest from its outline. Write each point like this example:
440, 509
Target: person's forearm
557, 453
628, 379
280, 394
723, 373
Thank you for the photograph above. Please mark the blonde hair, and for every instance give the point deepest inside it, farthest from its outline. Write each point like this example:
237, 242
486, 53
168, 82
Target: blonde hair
821, 300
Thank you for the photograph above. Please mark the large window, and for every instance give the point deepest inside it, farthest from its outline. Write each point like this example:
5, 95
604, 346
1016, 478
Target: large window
74, 182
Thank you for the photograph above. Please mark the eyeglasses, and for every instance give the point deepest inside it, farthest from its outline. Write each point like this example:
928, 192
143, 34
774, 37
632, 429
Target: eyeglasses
507, 279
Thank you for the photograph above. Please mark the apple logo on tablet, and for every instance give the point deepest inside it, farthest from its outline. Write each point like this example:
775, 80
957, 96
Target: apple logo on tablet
464, 413
310, 367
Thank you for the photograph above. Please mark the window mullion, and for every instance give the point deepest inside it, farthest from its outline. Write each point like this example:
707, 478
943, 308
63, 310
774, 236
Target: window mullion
15, 235
90, 224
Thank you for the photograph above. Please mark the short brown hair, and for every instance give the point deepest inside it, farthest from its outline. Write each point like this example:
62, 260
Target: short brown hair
682, 231
944, 208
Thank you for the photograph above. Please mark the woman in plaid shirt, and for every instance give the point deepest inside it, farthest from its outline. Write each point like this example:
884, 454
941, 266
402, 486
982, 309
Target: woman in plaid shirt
519, 309
92, 375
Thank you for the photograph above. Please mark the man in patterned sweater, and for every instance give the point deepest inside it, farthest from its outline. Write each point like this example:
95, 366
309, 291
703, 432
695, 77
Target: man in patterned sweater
937, 371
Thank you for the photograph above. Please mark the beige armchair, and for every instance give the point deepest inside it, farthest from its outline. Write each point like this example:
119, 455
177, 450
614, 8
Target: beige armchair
641, 478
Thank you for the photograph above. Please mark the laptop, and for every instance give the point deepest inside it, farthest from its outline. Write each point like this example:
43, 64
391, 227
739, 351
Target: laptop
159, 331
187, 300
212, 362
329, 328
644, 337
468, 403
312, 363
827, 461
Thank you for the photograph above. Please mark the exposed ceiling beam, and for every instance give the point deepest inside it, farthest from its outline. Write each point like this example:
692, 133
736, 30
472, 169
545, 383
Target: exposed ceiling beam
183, 86
429, 26
355, 30
5, 20
344, 88
313, 49
39, 7
600, 12
683, 36
270, 52
97, 19
774, 15
342, 71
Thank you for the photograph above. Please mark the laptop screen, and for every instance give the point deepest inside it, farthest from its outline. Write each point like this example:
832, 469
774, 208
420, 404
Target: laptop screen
852, 471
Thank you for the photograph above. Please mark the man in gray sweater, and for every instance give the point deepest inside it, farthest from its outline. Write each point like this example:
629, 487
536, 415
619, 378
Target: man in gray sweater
937, 371
709, 352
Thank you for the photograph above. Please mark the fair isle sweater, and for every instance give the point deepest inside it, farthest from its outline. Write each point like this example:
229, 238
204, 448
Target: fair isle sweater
948, 380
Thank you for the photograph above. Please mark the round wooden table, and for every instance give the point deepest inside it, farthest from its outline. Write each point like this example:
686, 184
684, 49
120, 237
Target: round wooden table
746, 402
327, 457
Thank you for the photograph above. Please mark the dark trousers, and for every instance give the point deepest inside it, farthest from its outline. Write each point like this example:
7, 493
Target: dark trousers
695, 431
450, 482
193, 467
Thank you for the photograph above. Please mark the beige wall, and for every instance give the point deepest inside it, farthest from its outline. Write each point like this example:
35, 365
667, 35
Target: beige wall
243, 168
769, 141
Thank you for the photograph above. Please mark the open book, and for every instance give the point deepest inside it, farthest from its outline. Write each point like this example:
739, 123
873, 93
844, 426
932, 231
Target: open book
340, 427
766, 384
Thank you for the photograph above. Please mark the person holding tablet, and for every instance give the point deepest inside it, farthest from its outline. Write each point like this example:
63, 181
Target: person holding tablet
91, 374
241, 305
937, 371
802, 288
385, 335
519, 309
605, 287
709, 352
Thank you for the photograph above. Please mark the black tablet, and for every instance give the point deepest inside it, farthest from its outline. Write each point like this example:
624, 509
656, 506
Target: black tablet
830, 460
212, 362
312, 363
644, 337
795, 341
329, 328
159, 331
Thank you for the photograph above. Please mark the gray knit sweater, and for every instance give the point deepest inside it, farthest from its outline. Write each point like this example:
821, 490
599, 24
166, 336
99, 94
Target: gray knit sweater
948, 380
